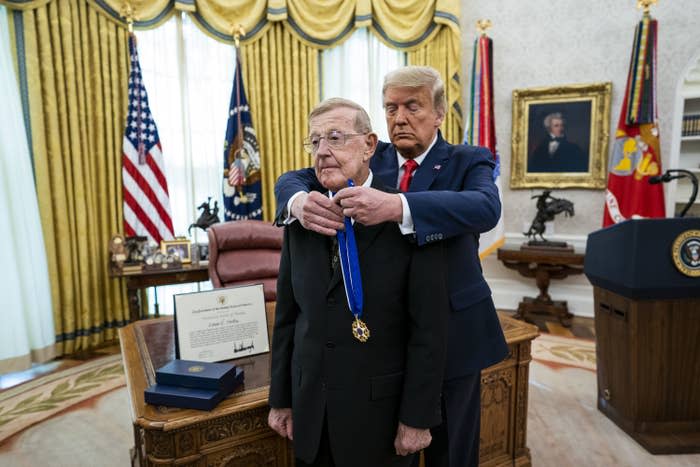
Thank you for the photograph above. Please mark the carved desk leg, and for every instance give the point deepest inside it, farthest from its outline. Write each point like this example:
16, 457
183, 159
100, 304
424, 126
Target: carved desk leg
134, 303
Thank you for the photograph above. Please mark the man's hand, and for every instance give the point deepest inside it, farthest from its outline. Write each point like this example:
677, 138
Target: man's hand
369, 206
319, 213
280, 420
409, 440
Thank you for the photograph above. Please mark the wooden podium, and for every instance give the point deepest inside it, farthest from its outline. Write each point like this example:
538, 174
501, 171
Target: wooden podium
647, 322
235, 433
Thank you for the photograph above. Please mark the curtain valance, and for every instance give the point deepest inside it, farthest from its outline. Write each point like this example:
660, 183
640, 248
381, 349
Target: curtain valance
403, 24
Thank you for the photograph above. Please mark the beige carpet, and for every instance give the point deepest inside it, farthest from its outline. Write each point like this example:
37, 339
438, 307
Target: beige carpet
44, 397
564, 351
94, 428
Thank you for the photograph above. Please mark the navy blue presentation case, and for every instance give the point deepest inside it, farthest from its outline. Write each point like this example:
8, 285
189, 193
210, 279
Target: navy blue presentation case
191, 398
200, 375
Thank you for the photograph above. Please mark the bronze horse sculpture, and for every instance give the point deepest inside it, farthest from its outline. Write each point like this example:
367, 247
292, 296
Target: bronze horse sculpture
208, 217
547, 207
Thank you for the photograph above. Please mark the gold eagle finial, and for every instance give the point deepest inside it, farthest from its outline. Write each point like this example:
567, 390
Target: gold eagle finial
483, 25
645, 5
237, 33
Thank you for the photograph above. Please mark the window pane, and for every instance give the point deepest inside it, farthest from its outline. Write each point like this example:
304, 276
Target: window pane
355, 70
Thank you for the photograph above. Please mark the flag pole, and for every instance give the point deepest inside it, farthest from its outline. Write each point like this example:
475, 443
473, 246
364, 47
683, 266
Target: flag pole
238, 31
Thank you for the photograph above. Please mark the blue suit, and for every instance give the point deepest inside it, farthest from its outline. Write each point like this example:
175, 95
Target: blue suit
452, 198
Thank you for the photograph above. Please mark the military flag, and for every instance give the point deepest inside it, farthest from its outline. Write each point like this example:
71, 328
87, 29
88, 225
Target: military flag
636, 155
241, 183
481, 128
145, 188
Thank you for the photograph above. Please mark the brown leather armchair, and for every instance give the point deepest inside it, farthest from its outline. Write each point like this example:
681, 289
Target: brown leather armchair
245, 252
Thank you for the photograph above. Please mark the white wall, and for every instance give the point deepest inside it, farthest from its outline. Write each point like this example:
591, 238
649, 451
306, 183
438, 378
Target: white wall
547, 43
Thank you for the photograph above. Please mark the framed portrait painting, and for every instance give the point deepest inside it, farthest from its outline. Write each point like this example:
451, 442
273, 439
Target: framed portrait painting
560, 136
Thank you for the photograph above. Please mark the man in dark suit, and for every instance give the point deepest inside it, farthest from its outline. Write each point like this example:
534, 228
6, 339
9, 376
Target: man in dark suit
555, 153
450, 199
349, 398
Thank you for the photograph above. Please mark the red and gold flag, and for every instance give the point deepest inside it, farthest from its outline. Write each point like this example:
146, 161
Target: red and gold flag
636, 155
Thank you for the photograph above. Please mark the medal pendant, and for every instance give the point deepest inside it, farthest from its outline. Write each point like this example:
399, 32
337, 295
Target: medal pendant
360, 330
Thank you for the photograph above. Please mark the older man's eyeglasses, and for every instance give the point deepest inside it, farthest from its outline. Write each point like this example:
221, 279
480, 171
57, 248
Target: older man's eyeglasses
334, 138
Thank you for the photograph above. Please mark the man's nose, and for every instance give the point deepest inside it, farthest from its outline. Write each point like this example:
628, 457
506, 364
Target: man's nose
323, 147
400, 116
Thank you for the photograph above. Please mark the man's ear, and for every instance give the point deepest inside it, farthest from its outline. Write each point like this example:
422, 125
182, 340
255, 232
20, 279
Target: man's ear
439, 117
371, 140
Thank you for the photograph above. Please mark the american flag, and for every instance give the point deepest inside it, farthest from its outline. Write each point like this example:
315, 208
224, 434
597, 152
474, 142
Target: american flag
146, 200
242, 186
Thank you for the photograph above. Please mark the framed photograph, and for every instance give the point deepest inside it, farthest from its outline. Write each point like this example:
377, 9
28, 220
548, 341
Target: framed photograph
178, 249
560, 136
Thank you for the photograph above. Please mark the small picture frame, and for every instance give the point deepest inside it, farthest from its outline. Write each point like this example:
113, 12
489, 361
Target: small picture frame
560, 136
178, 249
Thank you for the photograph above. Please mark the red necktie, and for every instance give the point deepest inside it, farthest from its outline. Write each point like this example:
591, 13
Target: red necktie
409, 167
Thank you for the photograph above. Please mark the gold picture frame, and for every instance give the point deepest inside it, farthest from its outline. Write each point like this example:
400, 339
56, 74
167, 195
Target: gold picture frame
575, 159
180, 247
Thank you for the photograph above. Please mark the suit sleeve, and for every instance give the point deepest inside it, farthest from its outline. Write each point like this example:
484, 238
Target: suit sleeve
286, 312
290, 183
427, 345
472, 206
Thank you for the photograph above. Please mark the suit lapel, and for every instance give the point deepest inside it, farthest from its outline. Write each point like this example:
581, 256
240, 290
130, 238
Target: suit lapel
436, 161
385, 166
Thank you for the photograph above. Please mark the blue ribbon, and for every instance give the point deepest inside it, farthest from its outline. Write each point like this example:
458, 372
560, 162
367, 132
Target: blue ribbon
350, 266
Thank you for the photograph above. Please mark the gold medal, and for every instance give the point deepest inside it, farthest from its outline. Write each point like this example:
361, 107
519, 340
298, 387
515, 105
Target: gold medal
360, 330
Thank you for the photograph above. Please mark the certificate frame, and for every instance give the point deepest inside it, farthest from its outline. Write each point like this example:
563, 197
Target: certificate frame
221, 324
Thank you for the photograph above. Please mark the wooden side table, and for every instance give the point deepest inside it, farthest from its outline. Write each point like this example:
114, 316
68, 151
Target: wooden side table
136, 281
543, 264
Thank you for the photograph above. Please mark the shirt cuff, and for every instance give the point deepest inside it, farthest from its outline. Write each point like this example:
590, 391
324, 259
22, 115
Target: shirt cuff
406, 226
289, 217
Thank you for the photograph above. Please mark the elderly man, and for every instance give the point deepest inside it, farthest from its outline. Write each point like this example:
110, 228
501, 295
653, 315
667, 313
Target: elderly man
356, 377
555, 153
448, 197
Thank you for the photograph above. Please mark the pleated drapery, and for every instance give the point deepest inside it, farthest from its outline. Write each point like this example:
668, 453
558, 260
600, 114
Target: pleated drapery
27, 331
74, 68
72, 58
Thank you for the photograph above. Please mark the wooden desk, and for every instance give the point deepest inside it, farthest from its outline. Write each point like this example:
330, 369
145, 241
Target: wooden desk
543, 264
235, 433
140, 280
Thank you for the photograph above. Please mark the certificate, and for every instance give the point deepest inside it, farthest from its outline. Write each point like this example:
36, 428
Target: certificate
221, 324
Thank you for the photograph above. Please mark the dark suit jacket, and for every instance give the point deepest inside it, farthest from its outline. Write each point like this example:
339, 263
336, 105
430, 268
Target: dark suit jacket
567, 158
365, 389
452, 199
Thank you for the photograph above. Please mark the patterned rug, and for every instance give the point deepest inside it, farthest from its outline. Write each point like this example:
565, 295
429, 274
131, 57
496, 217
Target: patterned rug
556, 351
41, 398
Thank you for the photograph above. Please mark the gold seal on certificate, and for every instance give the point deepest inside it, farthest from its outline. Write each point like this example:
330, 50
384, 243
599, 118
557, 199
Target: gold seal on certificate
360, 330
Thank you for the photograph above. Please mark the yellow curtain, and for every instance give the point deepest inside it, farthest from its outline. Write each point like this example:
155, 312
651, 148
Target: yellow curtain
76, 65
281, 76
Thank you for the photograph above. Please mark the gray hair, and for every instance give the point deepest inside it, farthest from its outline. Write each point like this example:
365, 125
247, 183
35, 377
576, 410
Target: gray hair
362, 122
419, 77
553, 116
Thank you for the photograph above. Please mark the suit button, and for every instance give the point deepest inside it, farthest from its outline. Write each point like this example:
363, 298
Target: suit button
330, 345
331, 301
